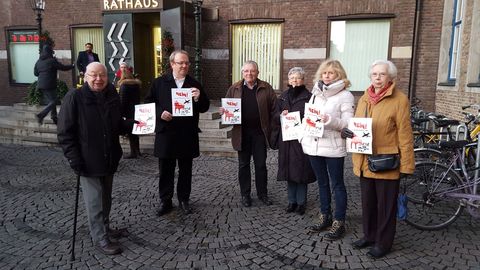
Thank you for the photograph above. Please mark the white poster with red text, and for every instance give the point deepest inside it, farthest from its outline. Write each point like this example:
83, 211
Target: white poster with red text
232, 111
312, 123
182, 102
362, 139
146, 118
291, 126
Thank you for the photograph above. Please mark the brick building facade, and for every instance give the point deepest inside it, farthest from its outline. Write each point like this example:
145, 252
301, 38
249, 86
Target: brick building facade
414, 28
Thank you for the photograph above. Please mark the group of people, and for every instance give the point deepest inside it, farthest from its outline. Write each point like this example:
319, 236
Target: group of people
321, 159
93, 117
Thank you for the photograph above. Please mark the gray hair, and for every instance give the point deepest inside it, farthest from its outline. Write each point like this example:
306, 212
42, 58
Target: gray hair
250, 62
392, 69
297, 70
172, 56
93, 64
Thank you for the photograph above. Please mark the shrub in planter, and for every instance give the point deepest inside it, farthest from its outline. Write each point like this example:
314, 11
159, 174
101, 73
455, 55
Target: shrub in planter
35, 97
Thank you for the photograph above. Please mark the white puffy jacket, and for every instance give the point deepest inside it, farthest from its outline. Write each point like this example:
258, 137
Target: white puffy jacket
338, 103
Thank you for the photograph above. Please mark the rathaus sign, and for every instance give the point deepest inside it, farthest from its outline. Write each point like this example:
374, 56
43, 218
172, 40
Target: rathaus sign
130, 4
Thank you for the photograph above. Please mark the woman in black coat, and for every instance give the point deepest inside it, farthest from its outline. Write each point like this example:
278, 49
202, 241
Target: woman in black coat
293, 165
130, 96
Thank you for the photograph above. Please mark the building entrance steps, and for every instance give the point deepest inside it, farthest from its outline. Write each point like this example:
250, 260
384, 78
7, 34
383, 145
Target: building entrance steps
18, 125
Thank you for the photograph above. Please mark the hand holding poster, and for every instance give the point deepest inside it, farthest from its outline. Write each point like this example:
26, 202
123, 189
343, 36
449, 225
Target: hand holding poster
232, 111
182, 102
362, 140
291, 126
313, 125
145, 115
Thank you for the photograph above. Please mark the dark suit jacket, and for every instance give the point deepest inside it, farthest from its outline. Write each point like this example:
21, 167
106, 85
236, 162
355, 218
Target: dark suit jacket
82, 60
177, 138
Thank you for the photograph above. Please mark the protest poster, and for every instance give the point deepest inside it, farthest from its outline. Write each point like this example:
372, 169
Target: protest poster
313, 125
146, 117
182, 102
291, 126
362, 140
232, 113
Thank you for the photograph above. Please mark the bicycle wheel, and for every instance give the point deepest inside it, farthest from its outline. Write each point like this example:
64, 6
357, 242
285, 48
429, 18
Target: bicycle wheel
430, 155
429, 207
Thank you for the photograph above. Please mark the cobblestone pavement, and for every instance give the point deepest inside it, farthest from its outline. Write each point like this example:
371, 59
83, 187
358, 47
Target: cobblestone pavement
37, 191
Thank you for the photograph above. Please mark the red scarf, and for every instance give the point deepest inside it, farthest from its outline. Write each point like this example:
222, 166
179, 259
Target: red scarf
374, 98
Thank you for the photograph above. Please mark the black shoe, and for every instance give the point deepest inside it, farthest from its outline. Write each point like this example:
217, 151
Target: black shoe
39, 119
165, 208
291, 207
301, 209
324, 221
376, 252
336, 231
265, 200
117, 233
55, 120
362, 243
185, 207
108, 248
247, 201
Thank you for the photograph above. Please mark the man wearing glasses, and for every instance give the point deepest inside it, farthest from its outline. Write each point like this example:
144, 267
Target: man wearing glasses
89, 125
176, 138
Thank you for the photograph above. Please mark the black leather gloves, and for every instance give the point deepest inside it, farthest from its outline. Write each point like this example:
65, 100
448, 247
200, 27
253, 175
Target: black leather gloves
347, 133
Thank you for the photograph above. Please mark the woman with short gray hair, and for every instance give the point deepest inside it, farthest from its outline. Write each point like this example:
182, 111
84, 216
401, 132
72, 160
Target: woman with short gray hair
293, 165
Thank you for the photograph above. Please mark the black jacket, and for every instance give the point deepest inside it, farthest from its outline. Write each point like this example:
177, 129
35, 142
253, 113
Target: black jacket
177, 138
46, 69
293, 164
89, 129
82, 60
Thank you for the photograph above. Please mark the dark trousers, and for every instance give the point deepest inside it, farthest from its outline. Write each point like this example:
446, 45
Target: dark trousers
253, 145
50, 95
167, 174
379, 210
329, 174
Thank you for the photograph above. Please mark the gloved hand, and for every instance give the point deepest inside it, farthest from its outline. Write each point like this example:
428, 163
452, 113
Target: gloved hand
130, 122
76, 165
346, 133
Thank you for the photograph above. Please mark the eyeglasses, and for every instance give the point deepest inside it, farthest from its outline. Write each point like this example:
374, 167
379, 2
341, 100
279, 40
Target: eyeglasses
95, 75
374, 75
182, 63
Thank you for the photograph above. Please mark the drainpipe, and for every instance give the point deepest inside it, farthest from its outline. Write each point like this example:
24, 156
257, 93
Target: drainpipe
413, 62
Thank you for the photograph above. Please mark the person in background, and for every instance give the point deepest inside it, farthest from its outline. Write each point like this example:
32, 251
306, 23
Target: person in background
327, 153
129, 97
392, 134
176, 138
251, 138
86, 57
123, 68
293, 165
89, 126
46, 70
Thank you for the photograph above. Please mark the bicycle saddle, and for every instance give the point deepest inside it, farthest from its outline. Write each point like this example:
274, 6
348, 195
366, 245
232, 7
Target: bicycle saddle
453, 144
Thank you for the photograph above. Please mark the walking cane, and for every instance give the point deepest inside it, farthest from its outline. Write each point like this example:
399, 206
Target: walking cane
72, 257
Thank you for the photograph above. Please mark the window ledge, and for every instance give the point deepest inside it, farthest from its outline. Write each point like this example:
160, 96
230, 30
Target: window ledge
452, 83
477, 84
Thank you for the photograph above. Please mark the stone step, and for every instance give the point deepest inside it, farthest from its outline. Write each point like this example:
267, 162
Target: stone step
18, 125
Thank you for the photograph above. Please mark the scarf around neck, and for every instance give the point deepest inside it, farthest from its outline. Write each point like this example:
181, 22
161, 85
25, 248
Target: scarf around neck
331, 89
373, 97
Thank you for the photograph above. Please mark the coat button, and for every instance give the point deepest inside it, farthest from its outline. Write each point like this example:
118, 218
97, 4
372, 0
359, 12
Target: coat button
316, 139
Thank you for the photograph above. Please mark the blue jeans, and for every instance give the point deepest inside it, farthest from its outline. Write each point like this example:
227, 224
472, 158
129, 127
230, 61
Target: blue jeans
297, 192
329, 174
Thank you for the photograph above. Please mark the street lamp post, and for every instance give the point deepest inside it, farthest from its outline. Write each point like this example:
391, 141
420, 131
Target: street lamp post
38, 6
197, 5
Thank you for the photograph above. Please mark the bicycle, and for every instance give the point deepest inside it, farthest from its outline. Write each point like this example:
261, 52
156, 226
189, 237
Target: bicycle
438, 193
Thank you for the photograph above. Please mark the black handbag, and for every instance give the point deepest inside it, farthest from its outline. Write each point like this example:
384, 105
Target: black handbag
385, 162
